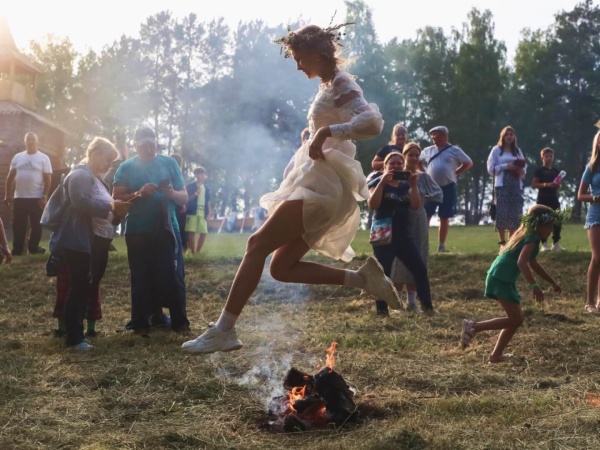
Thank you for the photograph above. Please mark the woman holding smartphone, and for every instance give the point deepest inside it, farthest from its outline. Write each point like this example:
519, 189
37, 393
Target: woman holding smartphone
82, 239
393, 198
417, 224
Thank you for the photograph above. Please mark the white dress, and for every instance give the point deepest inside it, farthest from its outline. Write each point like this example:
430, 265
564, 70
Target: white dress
330, 189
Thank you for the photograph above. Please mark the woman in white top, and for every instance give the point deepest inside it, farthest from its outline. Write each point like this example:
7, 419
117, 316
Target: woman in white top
507, 165
315, 206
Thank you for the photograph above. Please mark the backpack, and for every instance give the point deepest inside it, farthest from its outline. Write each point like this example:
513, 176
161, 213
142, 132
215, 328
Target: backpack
56, 207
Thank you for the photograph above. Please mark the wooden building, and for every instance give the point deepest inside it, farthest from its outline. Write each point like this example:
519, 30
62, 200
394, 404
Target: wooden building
18, 78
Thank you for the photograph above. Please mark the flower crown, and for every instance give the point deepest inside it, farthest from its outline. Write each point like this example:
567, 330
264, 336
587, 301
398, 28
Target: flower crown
532, 221
331, 32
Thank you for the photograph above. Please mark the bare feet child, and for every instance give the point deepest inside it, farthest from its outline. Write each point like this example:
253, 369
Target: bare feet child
517, 257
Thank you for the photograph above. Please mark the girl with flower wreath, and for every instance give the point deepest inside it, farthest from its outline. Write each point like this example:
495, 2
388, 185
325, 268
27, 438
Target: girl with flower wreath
517, 257
315, 206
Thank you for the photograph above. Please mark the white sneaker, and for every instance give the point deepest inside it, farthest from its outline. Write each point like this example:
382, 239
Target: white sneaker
377, 284
442, 248
557, 248
546, 247
213, 340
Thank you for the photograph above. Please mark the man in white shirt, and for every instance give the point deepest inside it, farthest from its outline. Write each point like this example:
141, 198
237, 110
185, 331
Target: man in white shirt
27, 187
444, 162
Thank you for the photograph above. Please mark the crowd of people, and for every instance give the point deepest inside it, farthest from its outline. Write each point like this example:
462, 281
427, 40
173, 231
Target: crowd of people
315, 207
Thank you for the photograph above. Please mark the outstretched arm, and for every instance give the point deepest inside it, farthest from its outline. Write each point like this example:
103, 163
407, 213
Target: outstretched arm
537, 268
523, 264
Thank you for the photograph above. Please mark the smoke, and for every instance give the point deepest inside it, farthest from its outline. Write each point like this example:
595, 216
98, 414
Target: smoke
268, 367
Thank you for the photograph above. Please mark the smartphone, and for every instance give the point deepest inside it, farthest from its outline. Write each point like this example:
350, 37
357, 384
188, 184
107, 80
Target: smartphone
404, 176
134, 199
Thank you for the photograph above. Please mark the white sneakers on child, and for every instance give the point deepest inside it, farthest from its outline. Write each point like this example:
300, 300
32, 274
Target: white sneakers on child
377, 284
213, 340
546, 247
468, 331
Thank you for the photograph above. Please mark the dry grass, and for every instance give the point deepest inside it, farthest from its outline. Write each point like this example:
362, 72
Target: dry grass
417, 388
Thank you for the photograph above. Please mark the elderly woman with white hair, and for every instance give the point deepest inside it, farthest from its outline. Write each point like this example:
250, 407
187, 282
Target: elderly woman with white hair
81, 213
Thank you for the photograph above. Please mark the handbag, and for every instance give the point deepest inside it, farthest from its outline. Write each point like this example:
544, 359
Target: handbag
381, 232
492, 211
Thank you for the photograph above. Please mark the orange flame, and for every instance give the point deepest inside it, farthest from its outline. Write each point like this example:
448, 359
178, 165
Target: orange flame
296, 394
331, 351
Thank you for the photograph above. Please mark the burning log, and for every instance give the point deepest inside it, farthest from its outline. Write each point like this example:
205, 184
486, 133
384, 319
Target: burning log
295, 378
313, 401
337, 396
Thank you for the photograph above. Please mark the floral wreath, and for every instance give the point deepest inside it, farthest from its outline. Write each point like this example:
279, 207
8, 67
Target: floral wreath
331, 32
532, 221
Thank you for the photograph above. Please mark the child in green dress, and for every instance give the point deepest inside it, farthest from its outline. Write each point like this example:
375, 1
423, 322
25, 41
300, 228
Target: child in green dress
517, 257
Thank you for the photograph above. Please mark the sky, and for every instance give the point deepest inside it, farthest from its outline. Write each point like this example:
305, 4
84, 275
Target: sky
95, 24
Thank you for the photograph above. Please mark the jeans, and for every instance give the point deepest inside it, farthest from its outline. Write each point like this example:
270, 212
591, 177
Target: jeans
156, 267
404, 248
23, 209
85, 272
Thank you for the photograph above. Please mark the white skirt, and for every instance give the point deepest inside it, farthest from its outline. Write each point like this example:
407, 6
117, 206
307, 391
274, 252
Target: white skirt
329, 190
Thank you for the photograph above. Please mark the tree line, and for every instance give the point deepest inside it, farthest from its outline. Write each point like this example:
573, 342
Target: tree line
227, 99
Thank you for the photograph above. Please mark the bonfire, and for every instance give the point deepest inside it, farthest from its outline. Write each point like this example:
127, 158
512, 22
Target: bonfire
313, 401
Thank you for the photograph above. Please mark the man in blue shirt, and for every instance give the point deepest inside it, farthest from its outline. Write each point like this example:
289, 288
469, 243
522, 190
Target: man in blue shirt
154, 183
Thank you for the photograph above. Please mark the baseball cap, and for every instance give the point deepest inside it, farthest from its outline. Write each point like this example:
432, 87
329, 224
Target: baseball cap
143, 135
439, 128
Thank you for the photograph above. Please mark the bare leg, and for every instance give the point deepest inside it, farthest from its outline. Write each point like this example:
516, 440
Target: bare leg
593, 273
501, 235
192, 242
286, 266
201, 239
509, 326
510, 233
283, 227
443, 231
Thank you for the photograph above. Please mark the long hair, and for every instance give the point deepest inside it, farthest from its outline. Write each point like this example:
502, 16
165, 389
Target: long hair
397, 127
525, 229
514, 147
595, 151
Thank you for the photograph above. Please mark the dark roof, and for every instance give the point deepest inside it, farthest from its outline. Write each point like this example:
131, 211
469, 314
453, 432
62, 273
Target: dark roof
8, 108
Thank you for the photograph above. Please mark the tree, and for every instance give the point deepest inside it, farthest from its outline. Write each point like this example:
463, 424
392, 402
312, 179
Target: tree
369, 64
558, 81
479, 80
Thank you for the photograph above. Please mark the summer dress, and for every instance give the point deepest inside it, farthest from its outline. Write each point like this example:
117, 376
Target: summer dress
330, 189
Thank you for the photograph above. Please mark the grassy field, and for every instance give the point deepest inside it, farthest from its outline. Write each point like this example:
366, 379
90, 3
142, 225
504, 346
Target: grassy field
414, 386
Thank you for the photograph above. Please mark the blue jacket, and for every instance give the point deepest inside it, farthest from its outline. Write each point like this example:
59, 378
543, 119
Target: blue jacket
192, 204
75, 231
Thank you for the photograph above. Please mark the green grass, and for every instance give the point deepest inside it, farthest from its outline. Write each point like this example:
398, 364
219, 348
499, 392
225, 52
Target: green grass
417, 389
462, 239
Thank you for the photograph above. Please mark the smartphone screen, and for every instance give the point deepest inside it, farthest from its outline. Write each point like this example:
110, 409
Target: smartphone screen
404, 176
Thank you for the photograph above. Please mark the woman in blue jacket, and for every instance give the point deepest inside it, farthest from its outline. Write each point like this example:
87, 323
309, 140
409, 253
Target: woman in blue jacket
84, 232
